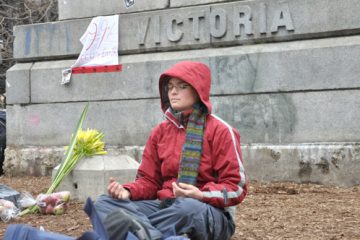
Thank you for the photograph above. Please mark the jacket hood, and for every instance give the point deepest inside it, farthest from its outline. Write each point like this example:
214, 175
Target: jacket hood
196, 74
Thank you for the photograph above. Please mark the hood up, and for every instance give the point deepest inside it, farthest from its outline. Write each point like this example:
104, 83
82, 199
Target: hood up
196, 74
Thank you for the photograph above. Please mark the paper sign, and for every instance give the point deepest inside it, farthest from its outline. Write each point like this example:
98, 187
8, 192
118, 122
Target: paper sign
100, 42
100, 45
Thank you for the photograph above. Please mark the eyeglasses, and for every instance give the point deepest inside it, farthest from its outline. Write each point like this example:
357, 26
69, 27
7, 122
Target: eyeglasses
179, 88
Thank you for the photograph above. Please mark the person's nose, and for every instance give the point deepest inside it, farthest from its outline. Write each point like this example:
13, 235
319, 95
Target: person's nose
173, 91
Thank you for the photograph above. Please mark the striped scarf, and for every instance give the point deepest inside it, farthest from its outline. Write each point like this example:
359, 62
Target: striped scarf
192, 148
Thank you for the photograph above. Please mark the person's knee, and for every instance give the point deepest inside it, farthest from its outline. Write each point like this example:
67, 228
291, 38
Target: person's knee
100, 200
189, 206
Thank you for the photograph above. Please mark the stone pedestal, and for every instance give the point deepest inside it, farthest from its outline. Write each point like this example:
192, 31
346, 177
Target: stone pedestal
91, 176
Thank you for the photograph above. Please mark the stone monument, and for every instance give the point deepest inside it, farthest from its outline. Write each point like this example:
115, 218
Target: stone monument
285, 73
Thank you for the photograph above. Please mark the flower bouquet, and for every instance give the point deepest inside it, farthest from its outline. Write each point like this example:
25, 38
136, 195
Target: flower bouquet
83, 144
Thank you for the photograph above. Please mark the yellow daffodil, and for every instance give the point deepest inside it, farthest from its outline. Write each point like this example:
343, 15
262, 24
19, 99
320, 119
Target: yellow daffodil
88, 143
83, 144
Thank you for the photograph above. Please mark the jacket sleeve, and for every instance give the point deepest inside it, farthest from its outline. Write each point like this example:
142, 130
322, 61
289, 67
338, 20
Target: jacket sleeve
148, 178
230, 186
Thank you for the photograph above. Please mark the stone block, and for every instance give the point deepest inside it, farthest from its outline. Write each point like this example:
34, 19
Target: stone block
165, 30
49, 40
184, 3
40, 161
70, 9
275, 118
33, 161
330, 163
123, 122
135, 152
292, 117
225, 24
91, 175
254, 21
287, 67
137, 80
18, 84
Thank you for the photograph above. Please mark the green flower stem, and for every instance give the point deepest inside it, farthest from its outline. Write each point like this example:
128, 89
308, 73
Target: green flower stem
65, 171
83, 144
32, 209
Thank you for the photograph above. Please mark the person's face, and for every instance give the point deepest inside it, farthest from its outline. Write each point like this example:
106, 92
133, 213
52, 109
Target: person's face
181, 95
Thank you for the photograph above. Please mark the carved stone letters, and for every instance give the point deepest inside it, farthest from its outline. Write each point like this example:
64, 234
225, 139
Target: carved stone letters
227, 22
218, 22
173, 31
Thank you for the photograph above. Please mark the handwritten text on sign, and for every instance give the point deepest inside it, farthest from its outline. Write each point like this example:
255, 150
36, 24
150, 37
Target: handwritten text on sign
100, 42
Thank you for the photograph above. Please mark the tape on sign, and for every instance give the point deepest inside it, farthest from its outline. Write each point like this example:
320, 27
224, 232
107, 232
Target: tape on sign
97, 69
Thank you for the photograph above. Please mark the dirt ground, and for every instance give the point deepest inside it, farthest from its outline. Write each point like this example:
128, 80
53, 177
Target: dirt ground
270, 211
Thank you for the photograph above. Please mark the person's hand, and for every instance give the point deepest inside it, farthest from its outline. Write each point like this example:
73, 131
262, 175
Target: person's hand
187, 190
117, 191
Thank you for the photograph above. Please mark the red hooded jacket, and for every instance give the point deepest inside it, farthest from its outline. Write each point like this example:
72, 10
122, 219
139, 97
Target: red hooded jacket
221, 173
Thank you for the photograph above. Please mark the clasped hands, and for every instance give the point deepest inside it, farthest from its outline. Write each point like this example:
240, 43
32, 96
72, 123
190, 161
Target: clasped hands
117, 191
187, 190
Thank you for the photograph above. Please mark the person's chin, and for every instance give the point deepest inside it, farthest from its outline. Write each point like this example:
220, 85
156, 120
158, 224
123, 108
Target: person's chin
177, 108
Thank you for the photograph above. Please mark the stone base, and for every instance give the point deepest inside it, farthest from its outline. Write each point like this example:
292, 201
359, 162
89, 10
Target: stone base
327, 163
40, 161
91, 176
33, 161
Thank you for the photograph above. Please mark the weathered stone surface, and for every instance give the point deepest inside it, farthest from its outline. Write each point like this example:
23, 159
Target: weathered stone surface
265, 118
18, 84
184, 3
49, 40
52, 124
240, 22
165, 30
70, 9
91, 175
292, 66
329, 164
137, 80
324, 163
293, 117
40, 161
34, 161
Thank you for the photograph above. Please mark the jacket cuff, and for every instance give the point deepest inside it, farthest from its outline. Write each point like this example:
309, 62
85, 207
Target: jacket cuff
132, 191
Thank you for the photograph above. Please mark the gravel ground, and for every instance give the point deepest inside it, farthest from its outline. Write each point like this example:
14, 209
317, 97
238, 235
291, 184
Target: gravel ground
270, 211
